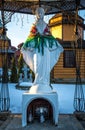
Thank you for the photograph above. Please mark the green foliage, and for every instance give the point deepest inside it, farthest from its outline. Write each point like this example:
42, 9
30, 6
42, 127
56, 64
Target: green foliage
20, 64
14, 77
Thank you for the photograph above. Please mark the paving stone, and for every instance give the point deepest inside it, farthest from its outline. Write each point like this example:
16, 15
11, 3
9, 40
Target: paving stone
66, 122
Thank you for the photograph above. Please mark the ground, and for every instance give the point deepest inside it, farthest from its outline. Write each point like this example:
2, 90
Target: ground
66, 122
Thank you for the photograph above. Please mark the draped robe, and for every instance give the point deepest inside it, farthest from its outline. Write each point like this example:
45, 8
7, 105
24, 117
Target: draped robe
41, 52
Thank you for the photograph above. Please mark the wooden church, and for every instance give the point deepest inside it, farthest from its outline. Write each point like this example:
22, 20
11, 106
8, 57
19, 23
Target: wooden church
69, 31
6, 50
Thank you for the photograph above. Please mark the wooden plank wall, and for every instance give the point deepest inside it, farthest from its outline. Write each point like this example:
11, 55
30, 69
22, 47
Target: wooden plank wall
59, 72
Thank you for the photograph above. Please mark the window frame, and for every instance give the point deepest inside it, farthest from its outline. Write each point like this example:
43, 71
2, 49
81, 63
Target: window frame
69, 54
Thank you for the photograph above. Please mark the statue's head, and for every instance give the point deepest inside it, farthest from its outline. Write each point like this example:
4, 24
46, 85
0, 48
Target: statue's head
39, 13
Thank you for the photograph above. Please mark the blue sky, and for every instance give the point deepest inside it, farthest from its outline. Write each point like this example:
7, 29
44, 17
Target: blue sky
16, 31
19, 27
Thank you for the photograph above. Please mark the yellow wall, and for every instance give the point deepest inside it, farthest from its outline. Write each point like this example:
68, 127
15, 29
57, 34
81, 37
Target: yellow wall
66, 32
57, 31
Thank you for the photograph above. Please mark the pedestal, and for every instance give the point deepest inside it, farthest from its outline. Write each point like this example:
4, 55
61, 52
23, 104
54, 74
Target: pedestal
52, 98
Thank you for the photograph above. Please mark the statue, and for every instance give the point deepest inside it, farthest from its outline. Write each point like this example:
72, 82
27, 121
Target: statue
25, 70
41, 52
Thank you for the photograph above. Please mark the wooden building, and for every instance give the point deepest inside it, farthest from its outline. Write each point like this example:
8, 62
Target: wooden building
6, 50
68, 29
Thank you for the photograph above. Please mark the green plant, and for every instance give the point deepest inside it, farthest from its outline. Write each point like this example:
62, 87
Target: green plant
14, 77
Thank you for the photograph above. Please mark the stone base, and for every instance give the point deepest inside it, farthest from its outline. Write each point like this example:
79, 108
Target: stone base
52, 98
80, 115
24, 85
4, 115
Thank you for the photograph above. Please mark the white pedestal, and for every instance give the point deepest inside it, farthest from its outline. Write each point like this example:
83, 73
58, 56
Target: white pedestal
52, 98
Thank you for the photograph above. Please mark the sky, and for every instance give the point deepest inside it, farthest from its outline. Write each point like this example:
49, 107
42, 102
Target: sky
19, 27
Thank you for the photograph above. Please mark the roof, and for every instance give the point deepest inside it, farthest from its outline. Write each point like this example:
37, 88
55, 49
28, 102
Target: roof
50, 6
67, 17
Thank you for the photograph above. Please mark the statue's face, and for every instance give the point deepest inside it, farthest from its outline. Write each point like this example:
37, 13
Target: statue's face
40, 13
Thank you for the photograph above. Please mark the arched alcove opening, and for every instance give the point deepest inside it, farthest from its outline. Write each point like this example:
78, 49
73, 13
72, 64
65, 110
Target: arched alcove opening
40, 106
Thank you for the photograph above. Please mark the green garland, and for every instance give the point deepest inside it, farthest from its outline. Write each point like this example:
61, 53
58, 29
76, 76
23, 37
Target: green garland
39, 41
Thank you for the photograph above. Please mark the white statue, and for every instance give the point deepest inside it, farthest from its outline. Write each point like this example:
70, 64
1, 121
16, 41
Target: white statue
25, 70
41, 52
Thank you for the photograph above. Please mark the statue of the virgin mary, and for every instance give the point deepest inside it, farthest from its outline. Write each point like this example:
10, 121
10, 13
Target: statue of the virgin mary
41, 52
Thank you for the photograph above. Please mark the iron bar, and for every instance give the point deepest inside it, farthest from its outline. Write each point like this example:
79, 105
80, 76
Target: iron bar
4, 94
79, 101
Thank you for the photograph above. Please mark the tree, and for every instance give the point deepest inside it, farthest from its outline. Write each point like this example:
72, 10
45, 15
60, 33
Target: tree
20, 64
14, 77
